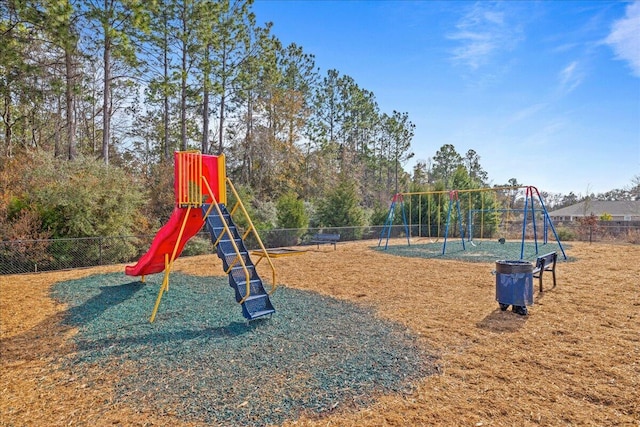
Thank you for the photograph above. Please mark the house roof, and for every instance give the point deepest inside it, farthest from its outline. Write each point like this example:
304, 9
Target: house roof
599, 207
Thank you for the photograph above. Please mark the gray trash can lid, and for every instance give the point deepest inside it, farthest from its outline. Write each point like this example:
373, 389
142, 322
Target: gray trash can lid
513, 266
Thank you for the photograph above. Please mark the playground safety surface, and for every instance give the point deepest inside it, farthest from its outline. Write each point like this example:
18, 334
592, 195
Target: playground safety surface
485, 251
574, 360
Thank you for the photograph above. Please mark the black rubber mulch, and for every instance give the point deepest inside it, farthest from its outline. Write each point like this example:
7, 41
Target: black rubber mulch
201, 361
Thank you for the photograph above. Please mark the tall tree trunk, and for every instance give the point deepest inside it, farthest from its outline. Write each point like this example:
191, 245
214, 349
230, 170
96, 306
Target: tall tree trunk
221, 127
165, 112
247, 163
396, 173
183, 104
70, 103
205, 121
165, 121
106, 100
222, 101
183, 87
205, 106
7, 122
57, 150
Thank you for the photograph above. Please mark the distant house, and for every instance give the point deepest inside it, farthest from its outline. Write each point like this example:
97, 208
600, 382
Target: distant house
623, 210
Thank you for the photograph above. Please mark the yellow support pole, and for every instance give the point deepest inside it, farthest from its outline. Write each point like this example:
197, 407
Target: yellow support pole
222, 179
429, 216
410, 205
481, 216
168, 265
419, 215
469, 237
439, 214
165, 282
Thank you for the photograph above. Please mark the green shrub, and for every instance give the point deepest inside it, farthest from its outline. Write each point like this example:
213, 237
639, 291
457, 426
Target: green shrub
291, 215
566, 234
341, 207
379, 215
197, 246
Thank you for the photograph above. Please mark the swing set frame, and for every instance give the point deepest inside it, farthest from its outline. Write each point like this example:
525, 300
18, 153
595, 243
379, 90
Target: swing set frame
531, 195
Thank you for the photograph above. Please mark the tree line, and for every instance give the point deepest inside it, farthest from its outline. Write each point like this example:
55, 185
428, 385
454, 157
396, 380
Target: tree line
132, 81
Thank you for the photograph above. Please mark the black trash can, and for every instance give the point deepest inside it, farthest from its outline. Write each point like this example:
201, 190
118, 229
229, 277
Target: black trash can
514, 285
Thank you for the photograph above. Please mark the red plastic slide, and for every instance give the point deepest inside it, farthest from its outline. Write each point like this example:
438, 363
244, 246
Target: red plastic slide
164, 242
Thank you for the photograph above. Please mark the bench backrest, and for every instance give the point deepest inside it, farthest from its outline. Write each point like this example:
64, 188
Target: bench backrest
326, 236
547, 261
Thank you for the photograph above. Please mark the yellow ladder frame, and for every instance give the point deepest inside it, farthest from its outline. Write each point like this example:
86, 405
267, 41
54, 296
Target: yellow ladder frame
250, 229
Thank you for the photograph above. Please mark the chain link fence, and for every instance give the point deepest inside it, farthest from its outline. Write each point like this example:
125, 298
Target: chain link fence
28, 256
602, 231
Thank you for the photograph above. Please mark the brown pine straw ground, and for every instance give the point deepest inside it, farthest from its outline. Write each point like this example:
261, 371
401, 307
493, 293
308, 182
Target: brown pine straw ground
575, 360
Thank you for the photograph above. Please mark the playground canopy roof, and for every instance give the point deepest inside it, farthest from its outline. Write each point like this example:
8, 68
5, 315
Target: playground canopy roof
622, 210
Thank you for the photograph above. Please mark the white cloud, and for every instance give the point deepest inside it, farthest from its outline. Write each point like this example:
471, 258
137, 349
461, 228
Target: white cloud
624, 37
525, 114
548, 133
482, 32
571, 77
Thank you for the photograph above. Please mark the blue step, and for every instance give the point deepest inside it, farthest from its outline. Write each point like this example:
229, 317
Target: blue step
231, 260
257, 306
215, 224
217, 230
226, 246
238, 280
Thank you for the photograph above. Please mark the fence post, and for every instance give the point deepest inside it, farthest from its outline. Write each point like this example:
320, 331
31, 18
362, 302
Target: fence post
100, 251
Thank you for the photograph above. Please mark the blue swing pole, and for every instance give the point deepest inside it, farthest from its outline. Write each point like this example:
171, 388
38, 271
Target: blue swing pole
533, 219
404, 219
446, 228
524, 222
547, 218
387, 225
460, 221
452, 194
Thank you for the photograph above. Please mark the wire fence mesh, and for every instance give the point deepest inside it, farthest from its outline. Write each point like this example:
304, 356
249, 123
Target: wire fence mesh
28, 256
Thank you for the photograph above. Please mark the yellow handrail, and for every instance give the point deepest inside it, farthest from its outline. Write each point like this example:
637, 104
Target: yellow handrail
239, 203
233, 242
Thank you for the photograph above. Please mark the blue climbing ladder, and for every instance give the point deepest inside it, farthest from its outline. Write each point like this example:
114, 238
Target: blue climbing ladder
237, 263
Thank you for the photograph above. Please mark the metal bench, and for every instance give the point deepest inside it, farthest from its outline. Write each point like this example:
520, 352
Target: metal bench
325, 239
546, 262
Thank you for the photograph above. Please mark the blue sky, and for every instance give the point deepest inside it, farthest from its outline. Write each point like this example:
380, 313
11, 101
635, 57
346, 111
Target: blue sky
547, 92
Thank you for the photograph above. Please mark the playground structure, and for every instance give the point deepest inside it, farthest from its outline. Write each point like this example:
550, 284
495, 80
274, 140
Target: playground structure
472, 213
200, 185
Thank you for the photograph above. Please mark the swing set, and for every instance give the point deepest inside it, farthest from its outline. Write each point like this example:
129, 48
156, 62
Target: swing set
488, 211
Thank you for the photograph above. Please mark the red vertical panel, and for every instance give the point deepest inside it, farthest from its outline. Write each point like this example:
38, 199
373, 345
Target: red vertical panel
209, 171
